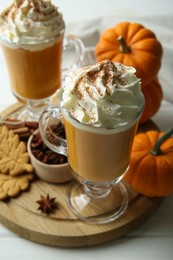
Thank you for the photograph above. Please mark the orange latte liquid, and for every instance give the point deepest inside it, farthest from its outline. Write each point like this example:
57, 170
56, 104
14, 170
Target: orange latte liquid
34, 74
99, 157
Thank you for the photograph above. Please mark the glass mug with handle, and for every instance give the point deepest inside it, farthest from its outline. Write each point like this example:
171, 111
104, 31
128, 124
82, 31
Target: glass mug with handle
34, 55
100, 107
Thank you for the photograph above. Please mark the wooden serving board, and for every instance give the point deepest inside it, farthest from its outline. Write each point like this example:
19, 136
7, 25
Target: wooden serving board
61, 228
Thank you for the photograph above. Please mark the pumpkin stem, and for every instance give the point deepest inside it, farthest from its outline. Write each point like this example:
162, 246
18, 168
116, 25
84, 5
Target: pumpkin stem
156, 149
124, 48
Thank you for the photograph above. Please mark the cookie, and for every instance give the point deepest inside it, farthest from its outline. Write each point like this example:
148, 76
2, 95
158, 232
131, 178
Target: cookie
14, 159
13, 186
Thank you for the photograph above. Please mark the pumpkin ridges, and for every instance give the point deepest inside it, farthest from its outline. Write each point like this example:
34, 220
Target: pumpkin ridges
153, 136
138, 155
167, 149
109, 36
168, 155
122, 29
137, 52
134, 28
134, 32
149, 47
106, 56
167, 146
123, 58
107, 47
142, 33
141, 139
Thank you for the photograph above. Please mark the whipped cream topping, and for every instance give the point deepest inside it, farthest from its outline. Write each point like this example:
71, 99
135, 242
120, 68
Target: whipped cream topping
105, 94
30, 22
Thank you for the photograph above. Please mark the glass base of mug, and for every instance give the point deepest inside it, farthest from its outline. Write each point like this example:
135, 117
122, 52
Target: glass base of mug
32, 109
98, 205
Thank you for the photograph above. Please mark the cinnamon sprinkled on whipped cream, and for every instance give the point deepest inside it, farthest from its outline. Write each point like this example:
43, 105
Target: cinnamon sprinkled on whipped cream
30, 22
105, 94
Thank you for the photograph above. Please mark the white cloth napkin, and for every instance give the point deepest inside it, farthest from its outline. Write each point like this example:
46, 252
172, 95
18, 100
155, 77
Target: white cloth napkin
162, 26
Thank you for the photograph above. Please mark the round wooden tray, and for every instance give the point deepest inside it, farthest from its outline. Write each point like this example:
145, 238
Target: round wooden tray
61, 228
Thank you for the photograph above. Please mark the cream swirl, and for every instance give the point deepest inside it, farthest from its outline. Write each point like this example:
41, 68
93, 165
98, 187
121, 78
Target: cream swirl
30, 22
106, 94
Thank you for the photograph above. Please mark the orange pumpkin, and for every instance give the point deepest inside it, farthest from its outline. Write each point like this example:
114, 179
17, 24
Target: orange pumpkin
153, 96
133, 45
151, 168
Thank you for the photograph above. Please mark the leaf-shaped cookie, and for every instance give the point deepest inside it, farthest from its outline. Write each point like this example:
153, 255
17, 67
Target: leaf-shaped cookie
14, 159
12, 186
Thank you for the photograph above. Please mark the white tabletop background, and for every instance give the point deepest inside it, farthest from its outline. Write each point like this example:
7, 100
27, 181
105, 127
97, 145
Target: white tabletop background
153, 239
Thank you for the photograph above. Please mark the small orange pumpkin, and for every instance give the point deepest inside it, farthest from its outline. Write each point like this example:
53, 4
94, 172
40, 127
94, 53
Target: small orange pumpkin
151, 168
133, 45
153, 96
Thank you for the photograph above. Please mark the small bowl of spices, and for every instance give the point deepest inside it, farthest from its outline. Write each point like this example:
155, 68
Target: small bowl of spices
48, 165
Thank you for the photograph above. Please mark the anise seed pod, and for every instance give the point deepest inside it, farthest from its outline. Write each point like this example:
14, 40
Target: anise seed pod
47, 204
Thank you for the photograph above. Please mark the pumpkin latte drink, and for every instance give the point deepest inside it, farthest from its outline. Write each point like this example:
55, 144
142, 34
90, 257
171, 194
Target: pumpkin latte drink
101, 106
32, 34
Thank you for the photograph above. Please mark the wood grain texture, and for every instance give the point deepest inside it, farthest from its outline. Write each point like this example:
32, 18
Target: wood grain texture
61, 228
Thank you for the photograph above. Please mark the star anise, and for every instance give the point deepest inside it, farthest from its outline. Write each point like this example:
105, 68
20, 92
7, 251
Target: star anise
47, 204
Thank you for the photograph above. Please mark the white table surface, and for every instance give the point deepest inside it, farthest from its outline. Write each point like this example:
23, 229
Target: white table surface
153, 239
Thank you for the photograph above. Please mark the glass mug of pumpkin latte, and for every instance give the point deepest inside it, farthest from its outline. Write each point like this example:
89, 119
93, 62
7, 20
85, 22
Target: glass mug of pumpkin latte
32, 40
100, 107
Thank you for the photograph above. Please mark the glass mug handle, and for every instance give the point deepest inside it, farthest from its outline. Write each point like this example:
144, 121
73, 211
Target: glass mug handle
57, 144
77, 44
